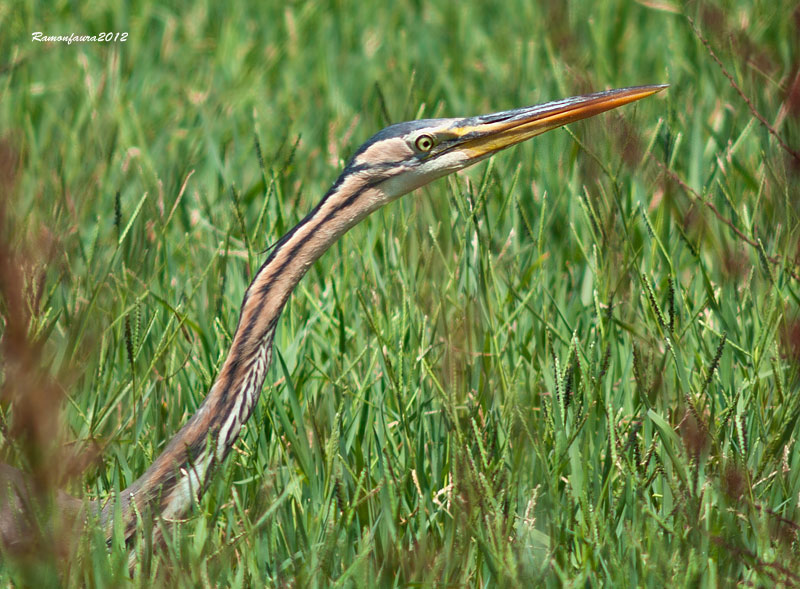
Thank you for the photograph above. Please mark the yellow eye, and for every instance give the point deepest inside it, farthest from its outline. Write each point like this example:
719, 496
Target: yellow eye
424, 143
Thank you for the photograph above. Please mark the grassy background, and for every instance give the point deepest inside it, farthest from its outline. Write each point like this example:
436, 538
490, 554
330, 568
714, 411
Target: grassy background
575, 364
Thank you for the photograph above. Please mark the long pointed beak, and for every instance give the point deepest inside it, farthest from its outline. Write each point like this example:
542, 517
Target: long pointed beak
482, 136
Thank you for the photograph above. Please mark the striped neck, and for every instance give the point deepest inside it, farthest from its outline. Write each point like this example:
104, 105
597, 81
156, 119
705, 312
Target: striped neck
179, 475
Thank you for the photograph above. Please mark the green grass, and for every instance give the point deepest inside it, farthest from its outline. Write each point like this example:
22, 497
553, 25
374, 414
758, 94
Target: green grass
576, 364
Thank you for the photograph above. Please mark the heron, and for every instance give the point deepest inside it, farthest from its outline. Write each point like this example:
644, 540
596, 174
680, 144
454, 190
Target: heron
394, 162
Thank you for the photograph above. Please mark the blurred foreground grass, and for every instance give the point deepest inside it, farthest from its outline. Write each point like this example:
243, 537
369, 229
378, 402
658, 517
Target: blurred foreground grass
575, 364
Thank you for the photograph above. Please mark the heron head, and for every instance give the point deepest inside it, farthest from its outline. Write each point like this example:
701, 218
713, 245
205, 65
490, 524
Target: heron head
405, 156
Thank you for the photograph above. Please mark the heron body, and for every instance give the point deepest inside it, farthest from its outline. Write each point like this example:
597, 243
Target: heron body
395, 161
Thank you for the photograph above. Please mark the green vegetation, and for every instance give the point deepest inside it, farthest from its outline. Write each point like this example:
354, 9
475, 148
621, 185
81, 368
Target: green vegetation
575, 364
